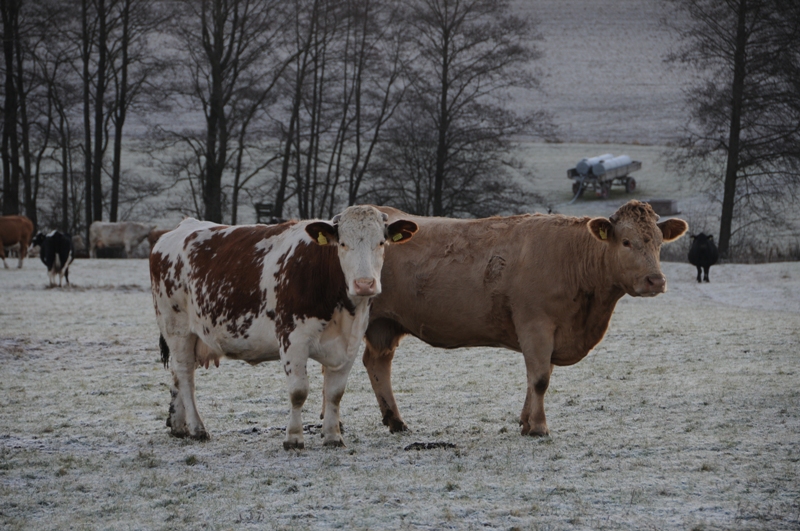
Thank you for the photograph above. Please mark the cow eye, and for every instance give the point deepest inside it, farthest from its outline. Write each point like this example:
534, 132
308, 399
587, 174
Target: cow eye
342, 244
381, 242
626, 243
647, 240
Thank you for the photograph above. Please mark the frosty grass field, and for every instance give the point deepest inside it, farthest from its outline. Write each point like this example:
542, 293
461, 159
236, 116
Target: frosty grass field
686, 416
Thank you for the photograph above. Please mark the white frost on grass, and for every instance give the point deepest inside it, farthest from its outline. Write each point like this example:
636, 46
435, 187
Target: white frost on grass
686, 416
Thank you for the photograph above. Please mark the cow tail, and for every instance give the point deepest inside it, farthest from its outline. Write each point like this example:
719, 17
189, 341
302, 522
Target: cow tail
162, 343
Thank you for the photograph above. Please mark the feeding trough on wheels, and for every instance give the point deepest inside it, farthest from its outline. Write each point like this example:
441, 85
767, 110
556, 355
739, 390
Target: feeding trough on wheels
601, 172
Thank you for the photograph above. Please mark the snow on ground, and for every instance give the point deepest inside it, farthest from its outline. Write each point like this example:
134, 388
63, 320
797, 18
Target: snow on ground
685, 417
603, 76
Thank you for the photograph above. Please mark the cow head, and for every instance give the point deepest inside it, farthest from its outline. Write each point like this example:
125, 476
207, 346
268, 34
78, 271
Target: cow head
37, 240
360, 234
634, 240
702, 241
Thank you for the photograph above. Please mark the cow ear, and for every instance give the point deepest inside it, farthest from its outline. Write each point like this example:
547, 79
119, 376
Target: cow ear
401, 231
323, 232
672, 229
601, 228
711, 237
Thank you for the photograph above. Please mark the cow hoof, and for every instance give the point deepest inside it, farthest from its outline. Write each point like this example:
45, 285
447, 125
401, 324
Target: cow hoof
201, 435
395, 426
537, 432
399, 428
335, 443
293, 445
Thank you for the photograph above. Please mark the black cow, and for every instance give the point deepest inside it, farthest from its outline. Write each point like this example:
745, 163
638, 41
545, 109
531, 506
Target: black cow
56, 252
703, 254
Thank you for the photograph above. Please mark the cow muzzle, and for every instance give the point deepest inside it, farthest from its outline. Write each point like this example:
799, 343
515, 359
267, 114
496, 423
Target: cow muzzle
365, 287
654, 285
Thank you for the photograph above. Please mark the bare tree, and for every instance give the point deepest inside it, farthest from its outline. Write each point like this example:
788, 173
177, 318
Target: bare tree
132, 66
456, 128
340, 92
745, 114
231, 60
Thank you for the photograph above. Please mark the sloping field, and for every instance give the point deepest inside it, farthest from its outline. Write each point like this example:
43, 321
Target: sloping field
687, 416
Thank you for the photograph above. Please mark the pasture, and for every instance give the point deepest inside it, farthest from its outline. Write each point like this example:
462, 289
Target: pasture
687, 416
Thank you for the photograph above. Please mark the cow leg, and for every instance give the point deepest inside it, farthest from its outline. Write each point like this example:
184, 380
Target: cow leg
379, 368
184, 420
3, 255
66, 268
23, 252
699, 274
537, 349
294, 364
382, 338
333, 386
705, 273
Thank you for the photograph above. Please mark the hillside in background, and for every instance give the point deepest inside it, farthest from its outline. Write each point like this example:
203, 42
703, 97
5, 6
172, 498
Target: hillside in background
603, 73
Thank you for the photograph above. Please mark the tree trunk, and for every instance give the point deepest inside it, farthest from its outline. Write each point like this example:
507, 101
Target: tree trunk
10, 148
216, 139
29, 197
64, 175
99, 114
87, 121
119, 122
441, 146
732, 165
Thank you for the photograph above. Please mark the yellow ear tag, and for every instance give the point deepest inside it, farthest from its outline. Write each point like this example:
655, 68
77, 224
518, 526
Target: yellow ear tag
397, 237
603, 234
322, 240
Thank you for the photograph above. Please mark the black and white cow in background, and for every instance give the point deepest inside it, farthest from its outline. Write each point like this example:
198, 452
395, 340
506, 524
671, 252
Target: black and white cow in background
703, 254
56, 253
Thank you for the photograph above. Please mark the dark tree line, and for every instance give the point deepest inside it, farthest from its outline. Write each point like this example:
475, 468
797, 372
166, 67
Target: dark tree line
744, 136
310, 105
72, 73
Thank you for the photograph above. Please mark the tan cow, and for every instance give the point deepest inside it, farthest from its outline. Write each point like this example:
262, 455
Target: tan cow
126, 234
15, 230
154, 235
543, 285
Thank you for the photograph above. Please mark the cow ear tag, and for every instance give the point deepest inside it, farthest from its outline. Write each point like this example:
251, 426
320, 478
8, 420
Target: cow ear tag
603, 234
397, 237
322, 240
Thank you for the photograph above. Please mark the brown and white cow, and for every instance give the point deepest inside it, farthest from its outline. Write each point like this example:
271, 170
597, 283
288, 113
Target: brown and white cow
543, 285
257, 293
126, 234
15, 230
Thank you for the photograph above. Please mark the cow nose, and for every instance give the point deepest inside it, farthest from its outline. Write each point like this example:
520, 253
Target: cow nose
657, 283
365, 286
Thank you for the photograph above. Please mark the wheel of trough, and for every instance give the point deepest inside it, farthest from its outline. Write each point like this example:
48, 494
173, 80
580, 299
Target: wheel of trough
630, 184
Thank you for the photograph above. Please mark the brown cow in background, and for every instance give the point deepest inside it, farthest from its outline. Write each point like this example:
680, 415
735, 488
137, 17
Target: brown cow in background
543, 285
15, 230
